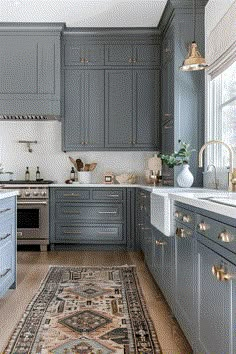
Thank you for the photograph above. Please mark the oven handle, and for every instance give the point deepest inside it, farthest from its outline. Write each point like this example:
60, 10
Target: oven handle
32, 203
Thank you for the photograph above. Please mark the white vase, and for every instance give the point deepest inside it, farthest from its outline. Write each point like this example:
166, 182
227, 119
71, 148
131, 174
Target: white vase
185, 178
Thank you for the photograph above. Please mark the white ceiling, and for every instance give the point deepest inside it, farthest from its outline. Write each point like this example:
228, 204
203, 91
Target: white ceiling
84, 13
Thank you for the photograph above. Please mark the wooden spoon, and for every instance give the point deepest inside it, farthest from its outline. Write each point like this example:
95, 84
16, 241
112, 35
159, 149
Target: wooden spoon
92, 166
87, 167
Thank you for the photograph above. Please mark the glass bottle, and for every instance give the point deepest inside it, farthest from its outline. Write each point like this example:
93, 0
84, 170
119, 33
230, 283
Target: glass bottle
37, 174
27, 174
72, 174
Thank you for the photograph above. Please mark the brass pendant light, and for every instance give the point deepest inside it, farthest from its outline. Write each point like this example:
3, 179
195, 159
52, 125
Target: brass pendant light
194, 60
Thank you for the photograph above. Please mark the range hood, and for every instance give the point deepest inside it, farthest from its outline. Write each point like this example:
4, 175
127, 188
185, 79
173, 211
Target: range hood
29, 117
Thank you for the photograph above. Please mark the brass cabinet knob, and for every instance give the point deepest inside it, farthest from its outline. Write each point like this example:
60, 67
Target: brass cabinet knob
160, 243
202, 226
134, 142
225, 236
82, 143
86, 60
180, 232
186, 218
130, 60
177, 214
221, 273
82, 60
134, 60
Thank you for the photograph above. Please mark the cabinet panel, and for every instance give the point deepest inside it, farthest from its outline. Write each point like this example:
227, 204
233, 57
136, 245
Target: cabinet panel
91, 213
92, 233
74, 125
119, 108
7, 266
71, 194
109, 194
94, 108
216, 305
146, 54
119, 54
83, 54
146, 98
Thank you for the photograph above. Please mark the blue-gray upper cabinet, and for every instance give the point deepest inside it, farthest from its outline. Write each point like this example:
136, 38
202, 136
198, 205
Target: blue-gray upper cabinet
30, 70
132, 55
78, 53
83, 124
131, 108
216, 303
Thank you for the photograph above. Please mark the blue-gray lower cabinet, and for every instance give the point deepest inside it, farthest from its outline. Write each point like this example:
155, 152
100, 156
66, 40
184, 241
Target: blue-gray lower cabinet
7, 244
216, 303
88, 217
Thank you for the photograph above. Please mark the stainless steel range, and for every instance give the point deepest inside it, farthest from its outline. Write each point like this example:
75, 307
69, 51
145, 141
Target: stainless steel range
32, 212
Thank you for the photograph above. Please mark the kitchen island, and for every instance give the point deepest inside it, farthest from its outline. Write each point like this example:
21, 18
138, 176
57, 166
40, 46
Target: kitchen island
7, 240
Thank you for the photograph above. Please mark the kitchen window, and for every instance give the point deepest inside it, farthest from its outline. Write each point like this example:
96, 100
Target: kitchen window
221, 118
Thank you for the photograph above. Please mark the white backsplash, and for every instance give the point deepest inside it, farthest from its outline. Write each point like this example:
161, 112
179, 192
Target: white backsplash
54, 164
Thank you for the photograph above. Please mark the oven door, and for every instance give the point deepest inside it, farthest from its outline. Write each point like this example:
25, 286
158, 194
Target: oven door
32, 219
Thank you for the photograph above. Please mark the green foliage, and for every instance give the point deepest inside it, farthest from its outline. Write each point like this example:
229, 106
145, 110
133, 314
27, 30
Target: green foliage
178, 158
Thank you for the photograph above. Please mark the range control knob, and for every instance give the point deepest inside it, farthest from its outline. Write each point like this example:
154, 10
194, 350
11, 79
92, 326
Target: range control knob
36, 193
27, 194
43, 193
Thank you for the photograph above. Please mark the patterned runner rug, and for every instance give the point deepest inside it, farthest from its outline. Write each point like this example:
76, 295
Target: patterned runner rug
86, 310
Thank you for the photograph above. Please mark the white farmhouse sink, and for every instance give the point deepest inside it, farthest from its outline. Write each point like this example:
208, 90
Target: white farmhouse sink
162, 205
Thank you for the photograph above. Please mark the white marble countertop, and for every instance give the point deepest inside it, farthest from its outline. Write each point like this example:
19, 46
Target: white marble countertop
102, 185
5, 193
195, 200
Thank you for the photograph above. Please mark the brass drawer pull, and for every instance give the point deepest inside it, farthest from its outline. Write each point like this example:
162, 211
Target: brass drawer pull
4, 237
180, 232
4, 210
167, 114
112, 195
5, 273
178, 214
107, 212
225, 236
71, 195
71, 212
203, 226
145, 228
221, 274
186, 218
72, 232
160, 243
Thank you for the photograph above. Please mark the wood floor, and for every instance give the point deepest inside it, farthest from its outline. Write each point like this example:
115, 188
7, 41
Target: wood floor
33, 266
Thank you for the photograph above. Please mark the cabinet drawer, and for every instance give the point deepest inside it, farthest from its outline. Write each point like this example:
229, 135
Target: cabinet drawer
184, 216
90, 234
222, 234
7, 231
82, 54
7, 207
73, 194
182, 231
108, 194
7, 266
90, 213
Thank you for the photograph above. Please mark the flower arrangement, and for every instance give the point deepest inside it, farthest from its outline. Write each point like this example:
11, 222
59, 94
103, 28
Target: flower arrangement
178, 158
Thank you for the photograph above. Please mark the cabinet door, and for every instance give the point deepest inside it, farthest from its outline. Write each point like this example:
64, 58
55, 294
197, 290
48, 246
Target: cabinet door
119, 108
167, 89
74, 124
83, 54
94, 109
146, 54
216, 305
119, 55
158, 257
168, 269
145, 100
184, 280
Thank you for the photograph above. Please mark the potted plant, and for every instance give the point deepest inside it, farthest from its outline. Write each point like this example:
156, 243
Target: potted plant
181, 157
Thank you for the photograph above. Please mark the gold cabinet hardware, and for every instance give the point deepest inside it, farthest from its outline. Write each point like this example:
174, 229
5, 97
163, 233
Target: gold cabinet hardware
145, 228
5, 273
167, 114
177, 214
186, 218
160, 243
82, 60
134, 142
143, 195
107, 212
221, 273
130, 60
71, 195
106, 232
134, 60
19, 234
4, 210
71, 212
202, 226
112, 195
86, 143
140, 224
180, 232
4, 237
86, 60
82, 142
225, 236
167, 50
